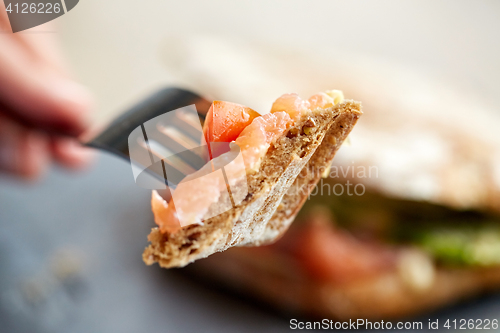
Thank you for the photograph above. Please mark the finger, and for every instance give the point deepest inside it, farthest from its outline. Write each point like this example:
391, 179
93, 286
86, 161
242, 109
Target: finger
44, 47
40, 97
23, 152
4, 19
70, 153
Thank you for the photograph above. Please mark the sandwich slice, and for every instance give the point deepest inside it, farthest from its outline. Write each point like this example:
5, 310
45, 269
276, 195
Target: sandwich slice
286, 149
370, 257
432, 200
422, 231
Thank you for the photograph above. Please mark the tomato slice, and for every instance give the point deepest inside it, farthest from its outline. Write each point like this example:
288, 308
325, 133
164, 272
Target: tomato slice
225, 121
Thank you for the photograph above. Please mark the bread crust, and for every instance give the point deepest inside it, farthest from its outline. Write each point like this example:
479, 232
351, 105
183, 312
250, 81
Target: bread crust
258, 219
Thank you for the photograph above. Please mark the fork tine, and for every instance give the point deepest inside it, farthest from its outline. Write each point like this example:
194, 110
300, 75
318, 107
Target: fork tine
167, 151
175, 160
114, 138
189, 124
192, 153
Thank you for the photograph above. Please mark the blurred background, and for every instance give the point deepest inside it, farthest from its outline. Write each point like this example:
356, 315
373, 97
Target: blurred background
71, 244
119, 49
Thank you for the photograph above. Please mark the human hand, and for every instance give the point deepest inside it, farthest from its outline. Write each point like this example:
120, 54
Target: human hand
42, 110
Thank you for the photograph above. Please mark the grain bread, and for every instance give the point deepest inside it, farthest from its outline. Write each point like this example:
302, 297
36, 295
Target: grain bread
266, 212
278, 281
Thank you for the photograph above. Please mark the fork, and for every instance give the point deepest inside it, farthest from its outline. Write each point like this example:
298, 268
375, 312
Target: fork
160, 136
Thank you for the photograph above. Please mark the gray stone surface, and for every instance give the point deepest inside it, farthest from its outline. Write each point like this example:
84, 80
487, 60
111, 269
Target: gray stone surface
99, 222
95, 226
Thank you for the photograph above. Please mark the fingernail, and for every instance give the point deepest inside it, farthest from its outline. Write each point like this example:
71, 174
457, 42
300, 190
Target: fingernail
82, 155
75, 155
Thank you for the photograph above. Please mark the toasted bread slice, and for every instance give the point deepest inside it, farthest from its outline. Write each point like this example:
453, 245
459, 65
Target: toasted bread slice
266, 212
279, 281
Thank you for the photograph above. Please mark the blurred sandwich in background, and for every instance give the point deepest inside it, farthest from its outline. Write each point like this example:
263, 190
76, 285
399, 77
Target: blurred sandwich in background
406, 220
